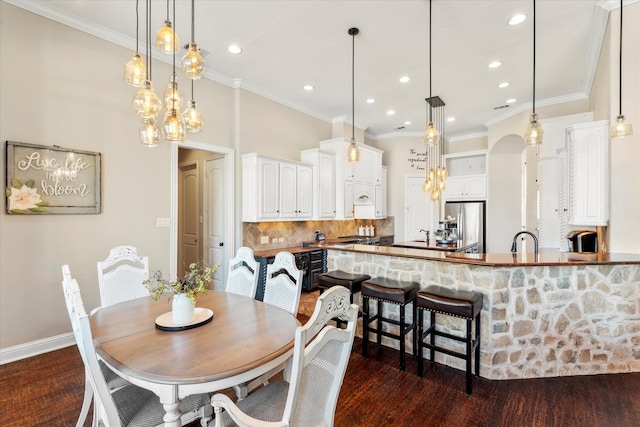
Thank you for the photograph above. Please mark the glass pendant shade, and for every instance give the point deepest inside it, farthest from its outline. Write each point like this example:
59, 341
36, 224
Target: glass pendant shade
353, 153
173, 127
435, 195
172, 97
193, 63
621, 128
145, 102
193, 118
167, 41
533, 135
149, 132
431, 136
135, 72
427, 186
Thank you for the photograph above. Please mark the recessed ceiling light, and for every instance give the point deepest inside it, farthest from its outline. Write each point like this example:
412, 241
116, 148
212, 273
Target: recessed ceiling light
370, 101
308, 87
451, 119
503, 85
234, 48
407, 122
404, 79
517, 19
495, 64
390, 113
511, 100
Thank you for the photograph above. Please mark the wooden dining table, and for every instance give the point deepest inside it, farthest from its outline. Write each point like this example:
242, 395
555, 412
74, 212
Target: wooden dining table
245, 339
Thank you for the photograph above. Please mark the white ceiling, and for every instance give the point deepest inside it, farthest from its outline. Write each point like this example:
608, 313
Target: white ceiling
287, 44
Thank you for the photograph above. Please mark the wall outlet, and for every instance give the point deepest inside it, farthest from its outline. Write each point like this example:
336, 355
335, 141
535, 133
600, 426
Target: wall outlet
281, 240
264, 240
274, 240
162, 222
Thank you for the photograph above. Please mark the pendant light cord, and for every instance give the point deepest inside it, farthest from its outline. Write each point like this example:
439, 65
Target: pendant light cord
430, 107
193, 19
620, 60
168, 11
148, 23
353, 90
534, 56
175, 82
137, 26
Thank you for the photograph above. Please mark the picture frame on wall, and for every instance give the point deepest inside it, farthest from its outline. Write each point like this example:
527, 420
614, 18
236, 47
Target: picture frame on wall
51, 180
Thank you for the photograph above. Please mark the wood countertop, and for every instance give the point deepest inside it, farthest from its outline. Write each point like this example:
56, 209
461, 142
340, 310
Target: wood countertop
495, 260
432, 245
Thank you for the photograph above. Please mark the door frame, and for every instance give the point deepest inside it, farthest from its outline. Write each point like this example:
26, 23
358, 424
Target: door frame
229, 157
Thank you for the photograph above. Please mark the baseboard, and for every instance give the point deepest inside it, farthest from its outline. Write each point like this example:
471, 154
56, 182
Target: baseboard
34, 348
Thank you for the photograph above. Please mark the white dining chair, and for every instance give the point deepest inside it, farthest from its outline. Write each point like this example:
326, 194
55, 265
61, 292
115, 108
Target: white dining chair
129, 405
120, 276
283, 284
320, 358
244, 273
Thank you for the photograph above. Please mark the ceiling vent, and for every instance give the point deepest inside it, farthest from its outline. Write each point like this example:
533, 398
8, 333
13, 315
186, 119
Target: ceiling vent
500, 107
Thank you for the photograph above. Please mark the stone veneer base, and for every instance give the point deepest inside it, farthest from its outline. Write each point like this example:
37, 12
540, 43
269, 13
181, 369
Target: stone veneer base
542, 321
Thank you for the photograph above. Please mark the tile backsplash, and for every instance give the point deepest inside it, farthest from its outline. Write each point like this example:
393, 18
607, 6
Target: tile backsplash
295, 232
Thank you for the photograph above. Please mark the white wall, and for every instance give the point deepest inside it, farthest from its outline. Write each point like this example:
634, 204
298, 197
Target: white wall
59, 86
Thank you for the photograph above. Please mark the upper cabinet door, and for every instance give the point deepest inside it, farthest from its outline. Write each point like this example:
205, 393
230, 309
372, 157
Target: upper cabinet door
268, 196
288, 191
304, 192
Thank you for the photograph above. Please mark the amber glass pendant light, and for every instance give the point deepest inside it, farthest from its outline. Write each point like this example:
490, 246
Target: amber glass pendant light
431, 135
621, 128
533, 134
135, 73
192, 62
167, 40
353, 153
192, 117
173, 126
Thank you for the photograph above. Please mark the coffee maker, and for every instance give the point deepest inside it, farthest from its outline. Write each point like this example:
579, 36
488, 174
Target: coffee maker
582, 241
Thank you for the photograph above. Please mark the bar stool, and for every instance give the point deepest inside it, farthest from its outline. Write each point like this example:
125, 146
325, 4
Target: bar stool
381, 289
463, 304
351, 281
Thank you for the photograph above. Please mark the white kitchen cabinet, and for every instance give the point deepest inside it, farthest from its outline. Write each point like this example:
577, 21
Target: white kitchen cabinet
588, 173
466, 187
275, 189
324, 182
381, 194
365, 173
295, 191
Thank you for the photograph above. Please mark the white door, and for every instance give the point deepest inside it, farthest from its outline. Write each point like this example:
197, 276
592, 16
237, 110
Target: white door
188, 216
214, 200
418, 209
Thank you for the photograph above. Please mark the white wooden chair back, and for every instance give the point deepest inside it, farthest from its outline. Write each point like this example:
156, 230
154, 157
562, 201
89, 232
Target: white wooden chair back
243, 273
120, 276
284, 283
321, 355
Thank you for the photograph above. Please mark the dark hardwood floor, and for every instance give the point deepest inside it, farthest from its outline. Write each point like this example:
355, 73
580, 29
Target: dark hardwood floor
47, 390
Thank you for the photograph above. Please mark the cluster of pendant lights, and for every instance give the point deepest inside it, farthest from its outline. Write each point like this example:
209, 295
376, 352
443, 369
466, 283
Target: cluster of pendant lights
436, 173
146, 103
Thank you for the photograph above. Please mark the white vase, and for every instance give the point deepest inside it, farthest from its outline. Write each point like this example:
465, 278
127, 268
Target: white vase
182, 311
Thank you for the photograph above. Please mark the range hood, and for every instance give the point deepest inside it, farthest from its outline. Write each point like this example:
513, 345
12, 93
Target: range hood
364, 208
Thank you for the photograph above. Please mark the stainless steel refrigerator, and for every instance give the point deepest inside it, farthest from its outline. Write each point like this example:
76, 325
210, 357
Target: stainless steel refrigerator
470, 217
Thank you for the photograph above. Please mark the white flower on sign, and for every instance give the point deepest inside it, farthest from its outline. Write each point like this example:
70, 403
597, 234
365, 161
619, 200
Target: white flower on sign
24, 198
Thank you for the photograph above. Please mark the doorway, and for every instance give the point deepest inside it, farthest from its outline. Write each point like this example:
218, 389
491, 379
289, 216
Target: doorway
420, 211
202, 208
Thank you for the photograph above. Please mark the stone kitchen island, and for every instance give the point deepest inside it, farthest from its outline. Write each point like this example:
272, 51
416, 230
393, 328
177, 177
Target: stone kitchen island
543, 315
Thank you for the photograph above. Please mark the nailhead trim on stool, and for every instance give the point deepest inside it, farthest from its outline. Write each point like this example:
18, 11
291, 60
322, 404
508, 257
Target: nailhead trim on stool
391, 291
464, 304
351, 281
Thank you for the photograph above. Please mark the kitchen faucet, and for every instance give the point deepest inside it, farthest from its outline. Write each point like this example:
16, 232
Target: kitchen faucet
515, 241
426, 233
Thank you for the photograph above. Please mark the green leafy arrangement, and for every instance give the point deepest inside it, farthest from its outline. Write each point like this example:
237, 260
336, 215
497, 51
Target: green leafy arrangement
24, 198
195, 282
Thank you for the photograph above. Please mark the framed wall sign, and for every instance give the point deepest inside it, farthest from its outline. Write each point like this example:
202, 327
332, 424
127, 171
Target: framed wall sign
51, 180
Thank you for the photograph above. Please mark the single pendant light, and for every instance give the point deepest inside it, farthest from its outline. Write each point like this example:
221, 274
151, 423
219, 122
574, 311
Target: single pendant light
167, 40
353, 153
621, 128
149, 132
135, 73
431, 135
192, 62
173, 125
533, 135
172, 97
192, 117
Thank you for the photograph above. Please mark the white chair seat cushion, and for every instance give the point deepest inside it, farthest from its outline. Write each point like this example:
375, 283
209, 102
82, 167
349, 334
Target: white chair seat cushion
138, 407
266, 403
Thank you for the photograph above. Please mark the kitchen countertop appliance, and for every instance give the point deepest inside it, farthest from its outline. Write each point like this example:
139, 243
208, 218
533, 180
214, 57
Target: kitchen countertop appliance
582, 241
447, 232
